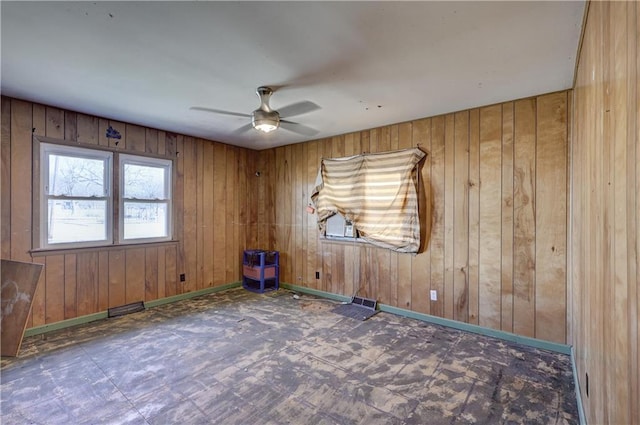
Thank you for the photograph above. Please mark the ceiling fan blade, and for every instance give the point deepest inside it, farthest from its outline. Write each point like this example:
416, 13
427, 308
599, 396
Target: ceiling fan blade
220, 111
298, 109
242, 129
298, 128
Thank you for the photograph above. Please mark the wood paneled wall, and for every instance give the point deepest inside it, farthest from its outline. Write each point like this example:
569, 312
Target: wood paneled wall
494, 214
213, 212
605, 214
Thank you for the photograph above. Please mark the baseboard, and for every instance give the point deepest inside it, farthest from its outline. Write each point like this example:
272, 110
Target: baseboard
316, 292
506, 336
581, 415
38, 330
188, 295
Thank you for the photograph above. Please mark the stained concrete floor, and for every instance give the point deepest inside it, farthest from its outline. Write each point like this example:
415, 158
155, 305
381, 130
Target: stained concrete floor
242, 358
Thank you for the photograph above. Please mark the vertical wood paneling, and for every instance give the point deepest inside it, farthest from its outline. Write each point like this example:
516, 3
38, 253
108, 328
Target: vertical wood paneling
21, 120
151, 274
506, 243
239, 210
116, 279
151, 140
421, 135
54, 288
201, 220
171, 271
286, 223
70, 125
524, 230
242, 207
209, 206
134, 275
551, 166
70, 286
162, 143
5, 177
39, 120
461, 218
219, 199
87, 283
161, 272
231, 268
54, 122
474, 215
189, 243
405, 261
604, 217
490, 216
436, 240
103, 281
87, 129
312, 232
175, 146
449, 214
298, 157
103, 125
20, 171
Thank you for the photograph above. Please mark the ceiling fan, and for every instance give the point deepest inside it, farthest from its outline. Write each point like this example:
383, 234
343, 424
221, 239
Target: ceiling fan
266, 120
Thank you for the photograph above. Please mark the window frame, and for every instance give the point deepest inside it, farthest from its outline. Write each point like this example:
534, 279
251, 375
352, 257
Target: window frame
114, 240
47, 149
165, 164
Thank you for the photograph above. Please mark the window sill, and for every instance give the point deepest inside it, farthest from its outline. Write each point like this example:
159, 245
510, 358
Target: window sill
343, 240
58, 251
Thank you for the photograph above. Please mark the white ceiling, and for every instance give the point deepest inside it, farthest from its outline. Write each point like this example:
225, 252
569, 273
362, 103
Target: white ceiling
365, 64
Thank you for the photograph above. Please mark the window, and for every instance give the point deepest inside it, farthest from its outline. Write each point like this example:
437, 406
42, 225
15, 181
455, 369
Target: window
146, 198
78, 203
76, 200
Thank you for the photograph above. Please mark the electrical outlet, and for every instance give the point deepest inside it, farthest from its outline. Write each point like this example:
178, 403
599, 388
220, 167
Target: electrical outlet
317, 275
434, 295
183, 277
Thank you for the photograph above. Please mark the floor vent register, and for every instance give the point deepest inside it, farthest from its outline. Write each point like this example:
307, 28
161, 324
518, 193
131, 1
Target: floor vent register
359, 308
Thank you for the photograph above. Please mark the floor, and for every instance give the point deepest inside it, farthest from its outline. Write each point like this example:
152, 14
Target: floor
242, 358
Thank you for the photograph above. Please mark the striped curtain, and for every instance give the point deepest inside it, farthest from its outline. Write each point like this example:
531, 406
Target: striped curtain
377, 192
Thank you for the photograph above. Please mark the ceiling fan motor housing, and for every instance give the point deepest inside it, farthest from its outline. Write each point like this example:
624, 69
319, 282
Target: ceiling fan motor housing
264, 118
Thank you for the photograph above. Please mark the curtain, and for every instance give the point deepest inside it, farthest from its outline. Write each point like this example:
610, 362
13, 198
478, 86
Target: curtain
377, 192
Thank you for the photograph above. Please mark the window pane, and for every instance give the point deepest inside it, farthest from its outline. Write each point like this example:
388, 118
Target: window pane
144, 182
145, 220
73, 176
76, 221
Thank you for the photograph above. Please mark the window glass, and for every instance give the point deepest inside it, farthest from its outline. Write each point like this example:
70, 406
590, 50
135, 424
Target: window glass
144, 182
145, 220
76, 221
76, 176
